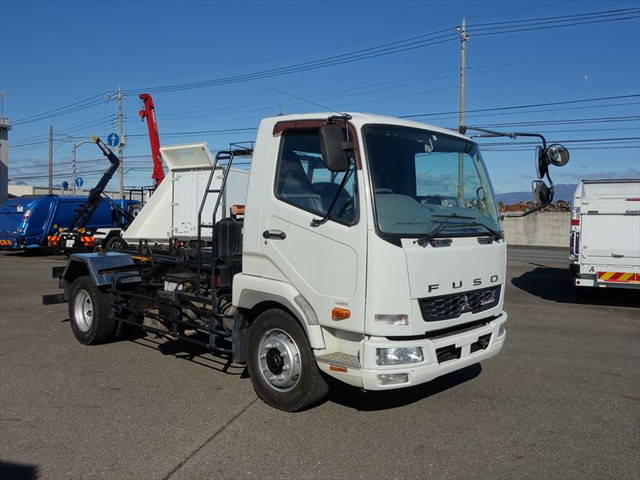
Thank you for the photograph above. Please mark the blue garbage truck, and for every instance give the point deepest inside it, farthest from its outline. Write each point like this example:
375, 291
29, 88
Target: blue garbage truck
28, 222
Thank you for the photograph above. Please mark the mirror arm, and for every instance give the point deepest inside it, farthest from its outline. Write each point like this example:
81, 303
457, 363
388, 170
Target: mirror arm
523, 214
486, 133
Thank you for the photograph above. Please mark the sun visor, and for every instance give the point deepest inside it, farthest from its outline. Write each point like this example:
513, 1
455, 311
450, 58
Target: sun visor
192, 155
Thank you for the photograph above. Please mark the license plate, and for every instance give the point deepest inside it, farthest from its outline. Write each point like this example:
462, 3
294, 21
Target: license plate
69, 243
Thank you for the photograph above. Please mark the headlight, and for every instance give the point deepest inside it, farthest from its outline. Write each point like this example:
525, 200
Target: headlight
397, 356
392, 319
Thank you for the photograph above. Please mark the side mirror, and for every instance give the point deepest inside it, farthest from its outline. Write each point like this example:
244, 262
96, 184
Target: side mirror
542, 165
335, 149
542, 193
557, 155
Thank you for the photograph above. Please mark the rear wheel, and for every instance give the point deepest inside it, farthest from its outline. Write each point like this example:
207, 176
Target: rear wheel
281, 364
115, 243
89, 313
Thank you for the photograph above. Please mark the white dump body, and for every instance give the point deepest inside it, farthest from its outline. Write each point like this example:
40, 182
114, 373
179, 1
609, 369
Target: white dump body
605, 233
172, 211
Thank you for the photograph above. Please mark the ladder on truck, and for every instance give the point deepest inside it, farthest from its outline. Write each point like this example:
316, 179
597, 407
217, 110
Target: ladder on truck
226, 157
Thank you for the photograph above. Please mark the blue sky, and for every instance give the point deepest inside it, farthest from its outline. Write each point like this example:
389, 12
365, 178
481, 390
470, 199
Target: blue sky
56, 53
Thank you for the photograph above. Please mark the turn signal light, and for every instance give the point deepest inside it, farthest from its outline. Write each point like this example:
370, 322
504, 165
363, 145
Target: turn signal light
237, 210
575, 216
87, 241
340, 313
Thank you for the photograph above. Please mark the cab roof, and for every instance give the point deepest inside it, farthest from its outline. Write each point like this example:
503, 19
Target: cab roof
361, 119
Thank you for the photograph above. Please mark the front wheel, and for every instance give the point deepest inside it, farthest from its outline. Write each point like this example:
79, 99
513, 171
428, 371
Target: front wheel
89, 309
281, 364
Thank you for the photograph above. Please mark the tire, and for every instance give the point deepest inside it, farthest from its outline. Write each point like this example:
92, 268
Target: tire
281, 365
89, 309
115, 242
134, 210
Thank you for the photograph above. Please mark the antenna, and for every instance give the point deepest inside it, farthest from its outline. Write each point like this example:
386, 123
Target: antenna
308, 101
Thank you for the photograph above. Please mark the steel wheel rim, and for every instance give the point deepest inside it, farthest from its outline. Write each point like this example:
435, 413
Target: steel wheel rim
279, 360
83, 311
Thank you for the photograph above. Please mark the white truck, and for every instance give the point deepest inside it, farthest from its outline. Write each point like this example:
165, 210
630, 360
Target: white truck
371, 251
604, 246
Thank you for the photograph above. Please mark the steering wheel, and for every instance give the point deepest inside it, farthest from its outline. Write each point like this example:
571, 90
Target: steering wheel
383, 190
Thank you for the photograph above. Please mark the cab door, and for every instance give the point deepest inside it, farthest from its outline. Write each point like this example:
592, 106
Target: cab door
326, 264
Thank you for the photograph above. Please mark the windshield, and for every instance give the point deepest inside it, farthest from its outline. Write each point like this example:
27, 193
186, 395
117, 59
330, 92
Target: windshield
420, 178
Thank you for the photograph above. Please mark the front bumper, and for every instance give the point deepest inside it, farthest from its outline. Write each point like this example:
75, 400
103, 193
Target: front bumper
461, 348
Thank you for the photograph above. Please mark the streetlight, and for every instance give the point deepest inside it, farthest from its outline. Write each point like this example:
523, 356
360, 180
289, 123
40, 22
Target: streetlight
73, 161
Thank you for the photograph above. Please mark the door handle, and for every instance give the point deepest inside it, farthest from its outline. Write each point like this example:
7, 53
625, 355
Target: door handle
617, 255
274, 234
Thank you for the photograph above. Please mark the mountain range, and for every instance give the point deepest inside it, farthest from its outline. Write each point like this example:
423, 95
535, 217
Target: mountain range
563, 191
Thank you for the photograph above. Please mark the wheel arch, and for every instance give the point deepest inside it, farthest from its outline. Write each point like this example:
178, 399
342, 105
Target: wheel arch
97, 265
253, 295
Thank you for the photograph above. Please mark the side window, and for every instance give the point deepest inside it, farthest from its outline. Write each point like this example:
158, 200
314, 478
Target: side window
303, 180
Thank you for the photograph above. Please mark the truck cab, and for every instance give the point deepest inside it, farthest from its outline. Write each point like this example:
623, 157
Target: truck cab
383, 305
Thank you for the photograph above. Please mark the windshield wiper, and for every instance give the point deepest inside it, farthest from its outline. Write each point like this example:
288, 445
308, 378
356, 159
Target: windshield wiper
429, 236
496, 234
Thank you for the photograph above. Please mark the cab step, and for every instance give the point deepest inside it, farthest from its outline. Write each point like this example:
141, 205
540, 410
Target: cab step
340, 359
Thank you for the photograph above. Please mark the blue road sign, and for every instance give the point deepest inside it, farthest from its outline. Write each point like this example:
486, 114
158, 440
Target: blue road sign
65, 185
113, 140
79, 182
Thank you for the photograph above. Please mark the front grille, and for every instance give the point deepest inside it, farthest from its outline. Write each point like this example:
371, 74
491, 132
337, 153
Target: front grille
445, 307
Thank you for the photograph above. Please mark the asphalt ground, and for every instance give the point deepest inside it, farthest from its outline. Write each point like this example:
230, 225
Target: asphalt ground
562, 400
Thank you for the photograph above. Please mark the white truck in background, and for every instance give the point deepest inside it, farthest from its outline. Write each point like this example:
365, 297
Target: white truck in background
371, 251
604, 246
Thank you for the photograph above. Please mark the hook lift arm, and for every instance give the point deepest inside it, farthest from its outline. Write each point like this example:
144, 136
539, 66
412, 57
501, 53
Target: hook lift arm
93, 201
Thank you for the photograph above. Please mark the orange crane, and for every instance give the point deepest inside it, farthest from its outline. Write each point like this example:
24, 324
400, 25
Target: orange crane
149, 114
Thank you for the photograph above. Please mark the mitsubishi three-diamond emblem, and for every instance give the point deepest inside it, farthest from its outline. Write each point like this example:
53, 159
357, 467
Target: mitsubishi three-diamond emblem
465, 307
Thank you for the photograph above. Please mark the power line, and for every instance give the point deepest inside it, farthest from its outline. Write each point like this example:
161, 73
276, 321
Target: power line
64, 110
410, 43
199, 132
349, 57
575, 15
485, 34
584, 140
566, 121
531, 105
555, 22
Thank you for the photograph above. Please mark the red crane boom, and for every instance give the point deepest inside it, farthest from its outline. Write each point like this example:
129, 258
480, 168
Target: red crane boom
149, 113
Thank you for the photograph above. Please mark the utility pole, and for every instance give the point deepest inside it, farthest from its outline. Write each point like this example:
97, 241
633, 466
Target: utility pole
50, 159
462, 30
4, 157
74, 149
119, 98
